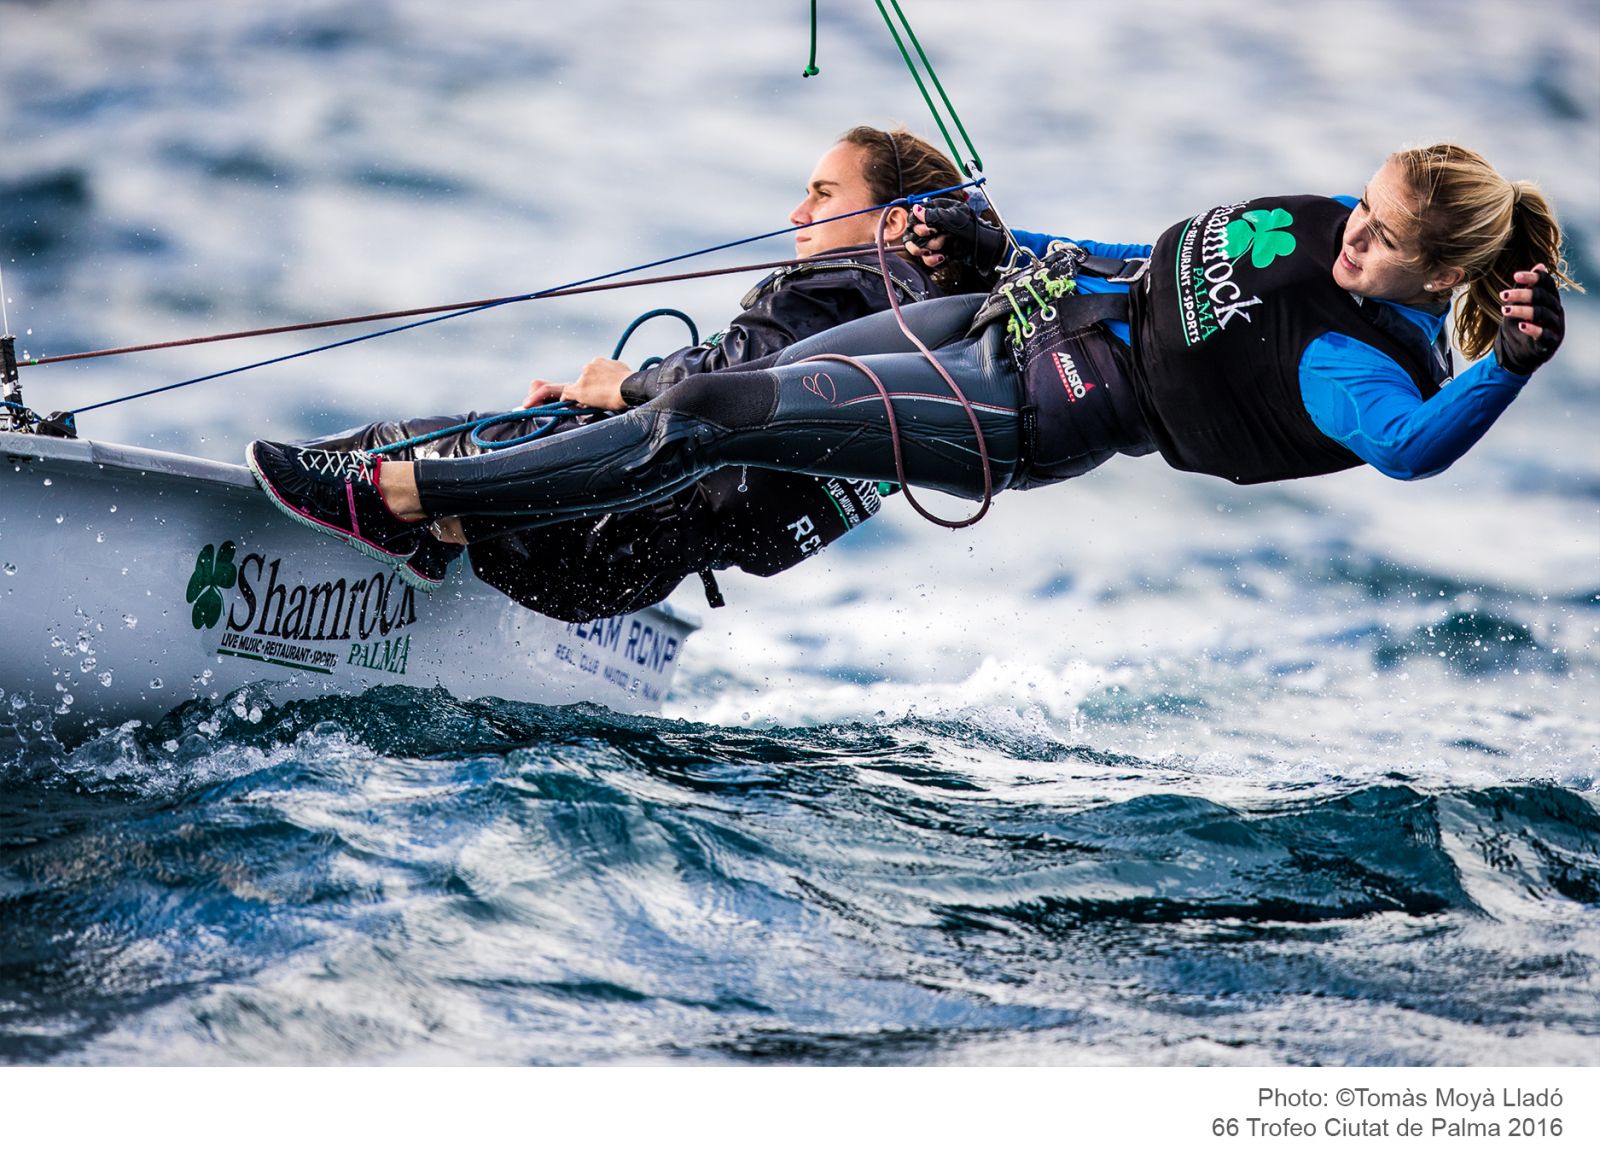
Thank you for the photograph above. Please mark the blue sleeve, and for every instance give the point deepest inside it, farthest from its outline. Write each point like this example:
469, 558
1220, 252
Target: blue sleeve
1364, 400
1037, 242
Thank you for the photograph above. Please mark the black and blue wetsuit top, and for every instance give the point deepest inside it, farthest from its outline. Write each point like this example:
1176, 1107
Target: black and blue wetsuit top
1359, 395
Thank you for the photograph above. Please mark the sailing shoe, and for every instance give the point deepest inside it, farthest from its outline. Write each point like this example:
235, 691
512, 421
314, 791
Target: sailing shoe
426, 568
335, 493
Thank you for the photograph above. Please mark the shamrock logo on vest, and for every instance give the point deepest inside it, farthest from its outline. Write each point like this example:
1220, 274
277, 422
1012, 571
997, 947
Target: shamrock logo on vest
1258, 233
214, 570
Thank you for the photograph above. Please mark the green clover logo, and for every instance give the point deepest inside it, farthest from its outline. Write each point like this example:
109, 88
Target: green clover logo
1257, 233
213, 570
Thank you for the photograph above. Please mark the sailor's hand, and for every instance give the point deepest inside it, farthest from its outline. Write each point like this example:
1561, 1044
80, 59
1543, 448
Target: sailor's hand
599, 386
1532, 322
543, 393
946, 228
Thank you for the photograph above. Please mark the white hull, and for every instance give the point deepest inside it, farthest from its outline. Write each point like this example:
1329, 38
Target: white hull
119, 599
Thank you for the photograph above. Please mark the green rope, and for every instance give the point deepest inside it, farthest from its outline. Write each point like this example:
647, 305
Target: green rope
811, 68
972, 167
976, 165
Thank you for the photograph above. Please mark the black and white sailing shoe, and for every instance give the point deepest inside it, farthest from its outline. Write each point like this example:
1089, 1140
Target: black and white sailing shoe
337, 493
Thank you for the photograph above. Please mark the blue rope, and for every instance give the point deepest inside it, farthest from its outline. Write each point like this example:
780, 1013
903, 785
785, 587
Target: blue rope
512, 300
516, 415
622, 341
551, 414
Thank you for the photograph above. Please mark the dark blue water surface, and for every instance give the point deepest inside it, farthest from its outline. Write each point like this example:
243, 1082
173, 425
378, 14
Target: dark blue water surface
405, 876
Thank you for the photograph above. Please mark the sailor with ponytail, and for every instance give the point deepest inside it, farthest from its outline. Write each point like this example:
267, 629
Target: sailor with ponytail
1469, 216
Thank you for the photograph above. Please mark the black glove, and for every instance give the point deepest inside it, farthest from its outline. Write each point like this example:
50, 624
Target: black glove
1519, 353
967, 236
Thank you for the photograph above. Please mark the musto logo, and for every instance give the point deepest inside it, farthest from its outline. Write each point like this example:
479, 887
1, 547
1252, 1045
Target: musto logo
302, 626
1071, 380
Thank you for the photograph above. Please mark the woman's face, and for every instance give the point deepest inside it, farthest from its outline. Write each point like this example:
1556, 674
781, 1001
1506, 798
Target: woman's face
837, 186
1380, 256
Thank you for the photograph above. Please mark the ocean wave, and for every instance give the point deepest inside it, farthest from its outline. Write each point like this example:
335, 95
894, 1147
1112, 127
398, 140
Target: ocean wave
850, 892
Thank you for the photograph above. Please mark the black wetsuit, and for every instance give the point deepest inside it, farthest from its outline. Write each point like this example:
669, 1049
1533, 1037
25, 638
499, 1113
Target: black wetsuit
757, 520
816, 417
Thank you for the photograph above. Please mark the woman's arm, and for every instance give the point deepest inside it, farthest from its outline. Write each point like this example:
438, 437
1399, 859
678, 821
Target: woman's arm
1038, 242
802, 303
1363, 399
947, 227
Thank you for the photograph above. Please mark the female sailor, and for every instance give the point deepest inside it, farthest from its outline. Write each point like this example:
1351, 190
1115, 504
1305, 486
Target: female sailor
590, 567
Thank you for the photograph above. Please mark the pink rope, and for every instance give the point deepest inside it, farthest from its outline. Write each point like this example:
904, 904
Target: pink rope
888, 403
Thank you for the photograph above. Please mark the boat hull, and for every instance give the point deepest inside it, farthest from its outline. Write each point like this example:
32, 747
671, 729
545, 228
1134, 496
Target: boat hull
132, 581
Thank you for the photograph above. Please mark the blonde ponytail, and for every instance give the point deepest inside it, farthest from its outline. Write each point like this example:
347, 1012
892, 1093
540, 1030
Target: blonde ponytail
1470, 217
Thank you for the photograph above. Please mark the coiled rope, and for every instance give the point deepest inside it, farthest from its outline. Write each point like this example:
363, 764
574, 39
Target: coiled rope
550, 413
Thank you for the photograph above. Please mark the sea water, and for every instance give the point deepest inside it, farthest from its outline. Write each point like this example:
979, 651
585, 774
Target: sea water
1145, 768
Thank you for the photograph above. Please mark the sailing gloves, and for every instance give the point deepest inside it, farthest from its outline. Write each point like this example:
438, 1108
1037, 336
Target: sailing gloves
964, 234
1516, 351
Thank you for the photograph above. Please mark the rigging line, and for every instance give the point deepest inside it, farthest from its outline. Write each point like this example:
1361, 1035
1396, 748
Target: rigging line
811, 68
275, 360
888, 403
977, 162
570, 290
591, 284
976, 165
306, 326
560, 290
